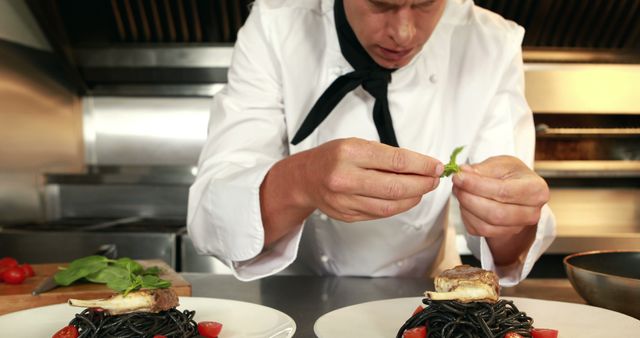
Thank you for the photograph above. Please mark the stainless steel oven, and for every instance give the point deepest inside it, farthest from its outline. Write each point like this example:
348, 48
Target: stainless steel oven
587, 120
592, 165
142, 210
67, 239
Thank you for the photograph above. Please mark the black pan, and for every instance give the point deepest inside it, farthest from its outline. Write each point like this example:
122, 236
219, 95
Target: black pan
609, 279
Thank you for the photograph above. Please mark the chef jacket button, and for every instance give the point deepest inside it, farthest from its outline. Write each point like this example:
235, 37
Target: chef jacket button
323, 217
324, 259
400, 263
433, 78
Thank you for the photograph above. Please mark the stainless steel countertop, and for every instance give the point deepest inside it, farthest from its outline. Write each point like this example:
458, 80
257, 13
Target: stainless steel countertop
306, 298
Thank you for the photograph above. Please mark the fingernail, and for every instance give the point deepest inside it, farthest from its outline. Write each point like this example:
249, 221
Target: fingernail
436, 182
439, 169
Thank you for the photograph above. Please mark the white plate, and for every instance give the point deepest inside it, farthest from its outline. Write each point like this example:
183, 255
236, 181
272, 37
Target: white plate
239, 319
383, 319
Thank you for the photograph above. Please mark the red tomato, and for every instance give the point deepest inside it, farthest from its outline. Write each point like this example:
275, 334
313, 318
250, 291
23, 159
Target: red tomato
512, 335
2, 269
417, 310
159, 336
8, 262
209, 329
14, 275
544, 333
68, 331
28, 270
416, 332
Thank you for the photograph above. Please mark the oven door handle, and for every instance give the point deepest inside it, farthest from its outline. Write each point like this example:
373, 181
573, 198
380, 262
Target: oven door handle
546, 131
109, 224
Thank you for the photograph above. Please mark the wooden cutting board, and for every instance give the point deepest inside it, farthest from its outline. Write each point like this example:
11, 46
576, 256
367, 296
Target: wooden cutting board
18, 297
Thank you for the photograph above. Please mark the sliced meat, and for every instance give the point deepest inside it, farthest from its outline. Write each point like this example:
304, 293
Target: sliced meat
465, 283
154, 300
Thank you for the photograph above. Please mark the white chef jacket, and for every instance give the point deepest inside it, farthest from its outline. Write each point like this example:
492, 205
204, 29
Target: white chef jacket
465, 87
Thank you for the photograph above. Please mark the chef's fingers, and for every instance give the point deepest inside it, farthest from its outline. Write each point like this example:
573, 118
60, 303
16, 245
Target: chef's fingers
477, 227
352, 208
525, 189
375, 155
342, 213
496, 213
383, 185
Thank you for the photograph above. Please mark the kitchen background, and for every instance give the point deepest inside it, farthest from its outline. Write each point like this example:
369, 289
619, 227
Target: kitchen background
104, 106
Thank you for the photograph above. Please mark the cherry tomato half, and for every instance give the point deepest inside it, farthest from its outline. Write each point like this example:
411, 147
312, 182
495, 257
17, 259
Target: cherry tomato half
8, 262
68, 331
416, 332
544, 333
209, 329
13, 275
417, 310
28, 270
512, 335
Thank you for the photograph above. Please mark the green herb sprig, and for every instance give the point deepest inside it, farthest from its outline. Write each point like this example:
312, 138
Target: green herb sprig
452, 167
122, 275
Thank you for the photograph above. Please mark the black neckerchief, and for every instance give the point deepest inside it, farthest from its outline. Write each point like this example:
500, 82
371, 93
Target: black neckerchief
373, 78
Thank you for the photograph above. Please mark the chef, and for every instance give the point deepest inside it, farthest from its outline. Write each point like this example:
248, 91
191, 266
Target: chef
326, 147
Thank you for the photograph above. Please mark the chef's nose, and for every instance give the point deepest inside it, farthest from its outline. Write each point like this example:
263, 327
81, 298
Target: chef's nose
401, 26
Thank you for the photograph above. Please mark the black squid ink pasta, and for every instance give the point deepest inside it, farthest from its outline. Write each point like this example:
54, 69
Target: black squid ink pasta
453, 319
171, 323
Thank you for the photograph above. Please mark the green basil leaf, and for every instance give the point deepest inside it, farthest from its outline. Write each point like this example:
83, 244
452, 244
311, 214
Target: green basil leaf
88, 261
452, 167
154, 282
109, 273
154, 270
79, 269
123, 275
120, 284
136, 283
129, 264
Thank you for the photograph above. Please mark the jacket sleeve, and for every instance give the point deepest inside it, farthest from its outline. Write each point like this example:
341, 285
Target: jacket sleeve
509, 129
246, 136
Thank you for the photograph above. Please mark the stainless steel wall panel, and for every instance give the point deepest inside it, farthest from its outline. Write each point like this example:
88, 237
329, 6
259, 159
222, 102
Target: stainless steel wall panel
40, 125
145, 130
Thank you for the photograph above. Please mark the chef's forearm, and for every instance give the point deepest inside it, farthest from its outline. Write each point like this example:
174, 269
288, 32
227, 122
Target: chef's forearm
282, 198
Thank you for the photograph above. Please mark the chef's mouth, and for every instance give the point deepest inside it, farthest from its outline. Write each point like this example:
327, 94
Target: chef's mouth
394, 55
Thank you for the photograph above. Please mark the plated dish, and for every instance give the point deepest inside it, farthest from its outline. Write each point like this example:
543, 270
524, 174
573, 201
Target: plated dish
466, 303
381, 319
240, 319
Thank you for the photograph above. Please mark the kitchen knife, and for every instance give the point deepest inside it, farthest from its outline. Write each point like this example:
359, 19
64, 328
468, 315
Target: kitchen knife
49, 283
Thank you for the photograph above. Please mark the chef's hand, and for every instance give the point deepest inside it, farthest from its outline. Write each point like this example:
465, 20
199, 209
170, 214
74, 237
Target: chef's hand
501, 199
356, 180
348, 180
